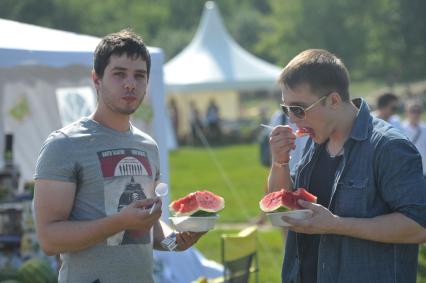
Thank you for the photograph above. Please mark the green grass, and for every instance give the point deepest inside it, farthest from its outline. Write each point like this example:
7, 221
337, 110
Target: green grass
365, 88
421, 269
233, 172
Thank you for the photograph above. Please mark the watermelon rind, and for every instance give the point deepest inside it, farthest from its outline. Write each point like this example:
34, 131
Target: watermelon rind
202, 213
281, 209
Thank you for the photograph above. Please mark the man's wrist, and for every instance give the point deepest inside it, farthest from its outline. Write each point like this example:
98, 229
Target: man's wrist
280, 164
339, 225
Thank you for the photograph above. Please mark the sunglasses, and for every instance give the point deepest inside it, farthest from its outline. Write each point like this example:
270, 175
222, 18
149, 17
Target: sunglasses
299, 111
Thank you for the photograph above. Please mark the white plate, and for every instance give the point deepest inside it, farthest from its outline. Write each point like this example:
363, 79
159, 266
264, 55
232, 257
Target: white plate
276, 220
193, 224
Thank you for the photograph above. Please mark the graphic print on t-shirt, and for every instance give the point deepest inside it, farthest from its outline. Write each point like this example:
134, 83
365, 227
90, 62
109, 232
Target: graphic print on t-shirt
127, 177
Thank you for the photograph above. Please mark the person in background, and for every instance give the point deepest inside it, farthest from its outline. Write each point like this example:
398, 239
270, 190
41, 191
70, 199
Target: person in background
386, 107
195, 124
370, 214
174, 116
415, 129
214, 131
95, 178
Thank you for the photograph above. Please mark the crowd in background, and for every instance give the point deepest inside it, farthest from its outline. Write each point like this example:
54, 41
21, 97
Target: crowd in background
388, 108
207, 126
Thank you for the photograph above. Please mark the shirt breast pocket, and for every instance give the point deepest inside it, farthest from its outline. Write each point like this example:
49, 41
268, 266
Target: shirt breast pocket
351, 198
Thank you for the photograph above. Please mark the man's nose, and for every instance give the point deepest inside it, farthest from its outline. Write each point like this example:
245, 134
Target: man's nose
130, 84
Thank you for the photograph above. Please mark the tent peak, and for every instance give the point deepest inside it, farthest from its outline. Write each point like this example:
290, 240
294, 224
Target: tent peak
210, 5
211, 29
214, 60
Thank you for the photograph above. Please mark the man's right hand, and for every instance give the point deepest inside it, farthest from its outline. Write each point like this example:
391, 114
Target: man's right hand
136, 215
282, 140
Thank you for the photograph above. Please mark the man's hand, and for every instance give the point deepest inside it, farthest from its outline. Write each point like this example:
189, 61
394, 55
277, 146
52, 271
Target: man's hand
322, 220
282, 140
136, 215
187, 239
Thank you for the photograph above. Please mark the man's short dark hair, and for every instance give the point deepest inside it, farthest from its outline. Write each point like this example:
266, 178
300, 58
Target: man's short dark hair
119, 43
385, 99
323, 71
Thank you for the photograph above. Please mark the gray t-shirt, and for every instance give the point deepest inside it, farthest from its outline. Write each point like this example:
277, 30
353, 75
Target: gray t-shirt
110, 169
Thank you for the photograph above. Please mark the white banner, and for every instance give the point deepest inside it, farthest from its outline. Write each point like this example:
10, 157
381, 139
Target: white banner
74, 103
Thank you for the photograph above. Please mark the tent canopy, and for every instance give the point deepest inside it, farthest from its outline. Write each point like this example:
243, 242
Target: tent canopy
214, 61
26, 44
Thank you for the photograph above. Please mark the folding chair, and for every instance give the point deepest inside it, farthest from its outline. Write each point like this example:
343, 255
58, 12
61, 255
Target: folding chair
239, 256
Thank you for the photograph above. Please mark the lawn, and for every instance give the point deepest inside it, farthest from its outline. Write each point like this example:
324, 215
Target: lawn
235, 173
421, 269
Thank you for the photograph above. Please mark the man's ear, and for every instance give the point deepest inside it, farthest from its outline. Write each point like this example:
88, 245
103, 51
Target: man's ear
96, 80
335, 99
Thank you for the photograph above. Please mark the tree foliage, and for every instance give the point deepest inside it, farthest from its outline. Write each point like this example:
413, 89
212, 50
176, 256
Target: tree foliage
384, 39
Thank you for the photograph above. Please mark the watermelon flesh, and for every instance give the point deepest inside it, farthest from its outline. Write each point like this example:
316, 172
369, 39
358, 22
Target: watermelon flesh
284, 199
303, 132
198, 201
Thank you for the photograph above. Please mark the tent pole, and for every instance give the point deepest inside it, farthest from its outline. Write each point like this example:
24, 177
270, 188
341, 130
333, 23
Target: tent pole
2, 133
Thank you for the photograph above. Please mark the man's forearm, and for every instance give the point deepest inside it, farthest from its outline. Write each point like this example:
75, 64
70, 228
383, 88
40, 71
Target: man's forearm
279, 178
389, 228
68, 236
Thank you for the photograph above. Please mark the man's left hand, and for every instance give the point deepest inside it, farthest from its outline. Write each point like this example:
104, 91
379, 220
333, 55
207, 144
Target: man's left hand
322, 220
187, 239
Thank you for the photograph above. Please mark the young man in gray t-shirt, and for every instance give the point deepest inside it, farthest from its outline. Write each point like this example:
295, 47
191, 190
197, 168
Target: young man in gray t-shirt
95, 179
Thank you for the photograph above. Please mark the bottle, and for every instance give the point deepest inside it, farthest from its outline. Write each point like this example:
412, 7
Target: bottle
8, 150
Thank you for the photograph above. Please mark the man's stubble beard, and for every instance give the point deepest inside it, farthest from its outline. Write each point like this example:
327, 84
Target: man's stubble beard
130, 111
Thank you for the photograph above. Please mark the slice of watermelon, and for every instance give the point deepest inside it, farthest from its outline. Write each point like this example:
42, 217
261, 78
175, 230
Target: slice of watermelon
284, 199
301, 193
197, 201
302, 132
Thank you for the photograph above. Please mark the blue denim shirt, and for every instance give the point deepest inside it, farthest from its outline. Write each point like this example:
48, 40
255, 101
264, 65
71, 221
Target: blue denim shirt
380, 173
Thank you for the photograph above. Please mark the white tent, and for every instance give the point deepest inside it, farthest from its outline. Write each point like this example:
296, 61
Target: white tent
214, 61
214, 67
35, 64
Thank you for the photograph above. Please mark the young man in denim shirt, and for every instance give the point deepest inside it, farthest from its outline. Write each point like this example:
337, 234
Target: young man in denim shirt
371, 209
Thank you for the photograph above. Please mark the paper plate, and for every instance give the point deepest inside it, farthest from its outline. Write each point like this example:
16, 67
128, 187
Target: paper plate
276, 220
193, 224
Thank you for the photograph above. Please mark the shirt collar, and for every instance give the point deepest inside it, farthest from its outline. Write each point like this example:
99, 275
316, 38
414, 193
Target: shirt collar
360, 127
